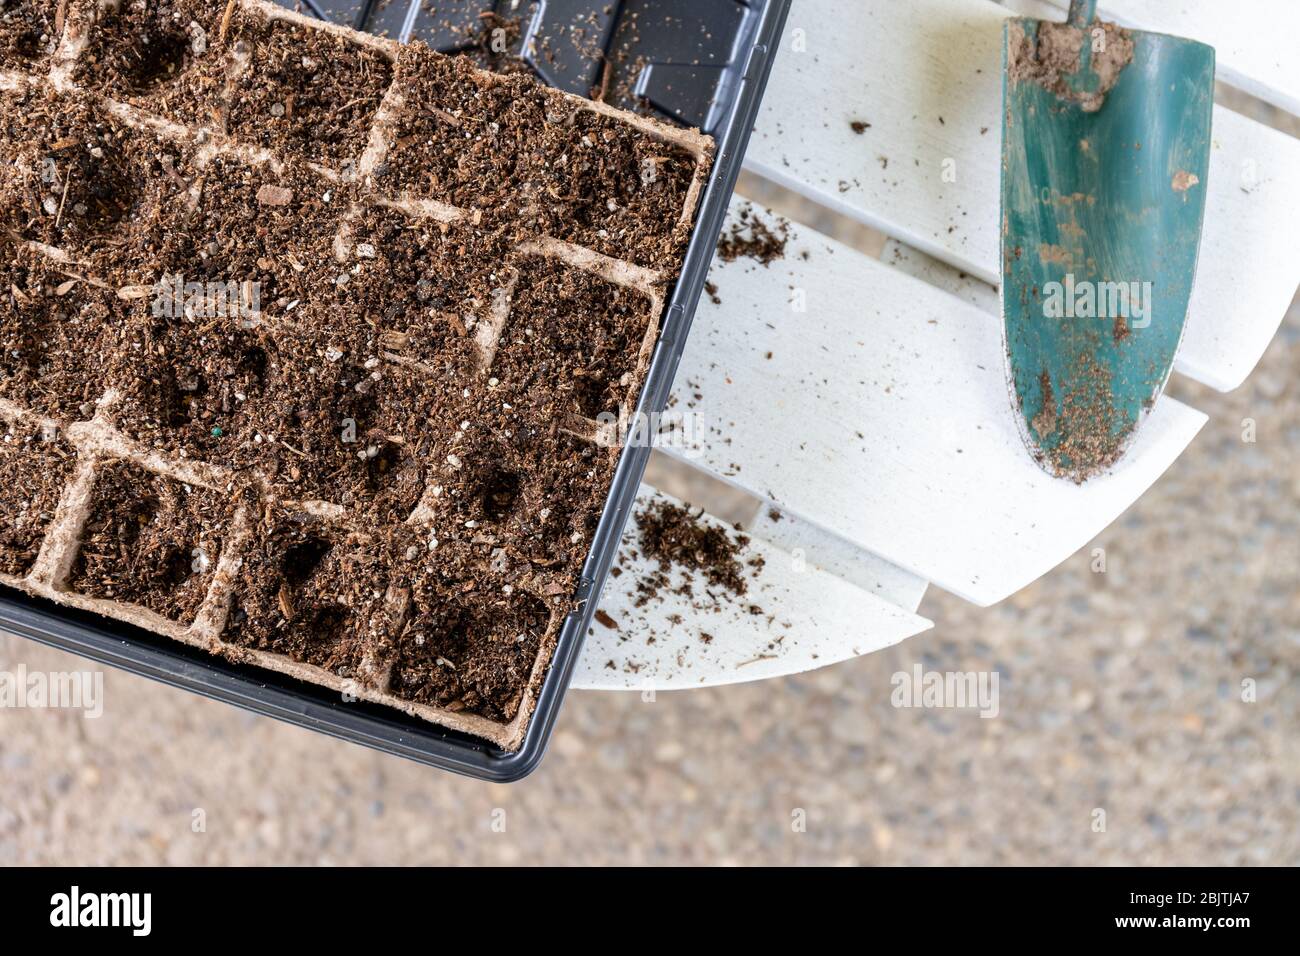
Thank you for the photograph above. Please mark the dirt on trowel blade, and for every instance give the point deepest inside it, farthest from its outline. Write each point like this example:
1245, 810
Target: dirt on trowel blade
1052, 59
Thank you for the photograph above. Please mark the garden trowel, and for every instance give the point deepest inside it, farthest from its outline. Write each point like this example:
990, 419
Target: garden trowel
1105, 154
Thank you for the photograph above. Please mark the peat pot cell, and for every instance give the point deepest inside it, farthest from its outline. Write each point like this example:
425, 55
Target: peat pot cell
195, 385
60, 336
150, 541
572, 340
597, 182
162, 56
308, 92
340, 426
27, 34
78, 179
35, 464
256, 224
312, 421
538, 493
308, 589
426, 286
458, 138
468, 650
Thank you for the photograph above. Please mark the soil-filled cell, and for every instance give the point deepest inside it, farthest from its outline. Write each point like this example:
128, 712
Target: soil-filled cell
75, 177
35, 464
468, 650
62, 338
28, 34
162, 56
572, 339
307, 589
151, 541
308, 92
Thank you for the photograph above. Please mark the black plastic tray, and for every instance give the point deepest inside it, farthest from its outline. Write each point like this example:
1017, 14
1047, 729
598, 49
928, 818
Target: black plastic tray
699, 62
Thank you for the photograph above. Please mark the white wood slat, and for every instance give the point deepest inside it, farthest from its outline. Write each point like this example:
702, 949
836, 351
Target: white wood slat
1255, 41
882, 415
963, 285
905, 66
831, 553
811, 618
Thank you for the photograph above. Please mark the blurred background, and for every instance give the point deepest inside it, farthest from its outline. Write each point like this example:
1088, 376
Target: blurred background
1119, 691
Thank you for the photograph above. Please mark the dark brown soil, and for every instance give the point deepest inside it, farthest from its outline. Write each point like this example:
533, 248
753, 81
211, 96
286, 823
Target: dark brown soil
27, 34
422, 287
59, 340
451, 628
474, 651
164, 56
34, 466
307, 589
531, 157
271, 224
308, 92
751, 237
82, 181
150, 541
459, 129
586, 366
676, 539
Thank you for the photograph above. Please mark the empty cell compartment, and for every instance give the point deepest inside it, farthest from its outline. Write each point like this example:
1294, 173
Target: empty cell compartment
466, 26
29, 34
61, 336
307, 91
35, 464
150, 541
163, 56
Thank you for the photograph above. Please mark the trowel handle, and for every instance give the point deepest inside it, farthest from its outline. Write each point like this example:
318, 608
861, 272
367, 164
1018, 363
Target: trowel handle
1082, 12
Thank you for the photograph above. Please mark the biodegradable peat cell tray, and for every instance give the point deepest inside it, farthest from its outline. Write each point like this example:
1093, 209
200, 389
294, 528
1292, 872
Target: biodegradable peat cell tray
315, 350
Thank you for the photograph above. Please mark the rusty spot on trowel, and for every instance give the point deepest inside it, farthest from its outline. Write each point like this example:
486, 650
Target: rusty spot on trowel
1183, 181
1053, 60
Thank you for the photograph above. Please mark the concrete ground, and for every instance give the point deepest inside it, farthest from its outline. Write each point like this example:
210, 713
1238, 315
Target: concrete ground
1120, 692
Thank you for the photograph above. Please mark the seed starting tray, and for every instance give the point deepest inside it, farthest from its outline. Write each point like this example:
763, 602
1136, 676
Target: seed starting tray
97, 447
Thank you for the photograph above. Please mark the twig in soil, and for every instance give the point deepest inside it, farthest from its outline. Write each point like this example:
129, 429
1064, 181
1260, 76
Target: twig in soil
225, 20
67, 181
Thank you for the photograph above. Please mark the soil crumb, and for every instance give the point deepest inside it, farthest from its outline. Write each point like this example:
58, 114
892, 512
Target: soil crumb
676, 538
751, 237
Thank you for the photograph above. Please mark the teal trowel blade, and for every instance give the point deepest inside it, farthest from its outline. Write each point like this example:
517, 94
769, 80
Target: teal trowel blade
1105, 160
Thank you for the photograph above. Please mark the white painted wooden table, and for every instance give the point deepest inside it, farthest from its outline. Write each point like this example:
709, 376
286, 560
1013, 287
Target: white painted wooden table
877, 419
